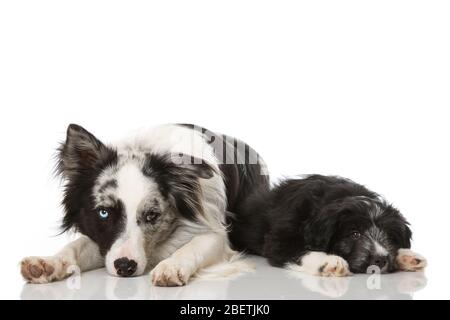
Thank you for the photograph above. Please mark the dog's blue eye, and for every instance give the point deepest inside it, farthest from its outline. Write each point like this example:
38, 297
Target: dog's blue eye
103, 214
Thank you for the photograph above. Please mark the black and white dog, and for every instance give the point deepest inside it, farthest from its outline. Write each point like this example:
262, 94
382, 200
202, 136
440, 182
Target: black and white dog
327, 226
154, 201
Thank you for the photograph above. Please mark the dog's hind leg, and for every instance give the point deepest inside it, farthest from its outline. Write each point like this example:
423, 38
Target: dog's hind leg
321, 264
82, 254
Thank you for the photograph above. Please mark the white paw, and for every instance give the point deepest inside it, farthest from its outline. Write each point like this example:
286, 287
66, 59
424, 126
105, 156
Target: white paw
408, 260
334, 266
171, 273
43, 269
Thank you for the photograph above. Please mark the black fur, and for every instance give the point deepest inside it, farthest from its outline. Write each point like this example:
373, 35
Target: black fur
241, 167
318, 213
81, 158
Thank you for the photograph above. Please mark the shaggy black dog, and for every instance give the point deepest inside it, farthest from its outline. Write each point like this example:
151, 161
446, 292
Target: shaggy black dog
325, 225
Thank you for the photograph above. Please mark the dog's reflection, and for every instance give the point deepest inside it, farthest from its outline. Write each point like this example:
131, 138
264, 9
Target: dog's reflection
265, 284
397, 286
99, 285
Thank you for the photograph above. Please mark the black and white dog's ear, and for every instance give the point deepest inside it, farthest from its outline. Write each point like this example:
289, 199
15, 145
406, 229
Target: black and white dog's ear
185, 189
80, 152
179, 181
195, 166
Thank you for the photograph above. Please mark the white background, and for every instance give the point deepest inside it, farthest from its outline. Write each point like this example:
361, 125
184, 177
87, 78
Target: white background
354, 88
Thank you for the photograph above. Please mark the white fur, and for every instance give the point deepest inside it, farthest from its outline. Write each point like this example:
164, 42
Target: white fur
237, 264
132, 188
379, 249
169, 138
321, 264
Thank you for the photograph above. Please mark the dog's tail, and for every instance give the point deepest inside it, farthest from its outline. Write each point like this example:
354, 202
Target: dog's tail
236, 265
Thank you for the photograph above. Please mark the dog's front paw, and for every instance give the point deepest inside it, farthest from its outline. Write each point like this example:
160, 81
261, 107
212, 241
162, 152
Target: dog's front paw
334, 266
408, 260
170, 273
43, 269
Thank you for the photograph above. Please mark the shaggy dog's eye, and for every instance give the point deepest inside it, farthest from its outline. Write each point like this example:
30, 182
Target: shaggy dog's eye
103, 213
150, 216
355, 235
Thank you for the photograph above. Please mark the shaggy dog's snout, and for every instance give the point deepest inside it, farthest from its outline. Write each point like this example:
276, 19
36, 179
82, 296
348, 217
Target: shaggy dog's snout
125, 267
379, 261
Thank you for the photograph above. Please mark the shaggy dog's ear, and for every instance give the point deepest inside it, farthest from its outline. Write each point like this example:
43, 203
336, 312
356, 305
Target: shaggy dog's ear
319, 231
405, 236
81, 152
179, 181
395, 224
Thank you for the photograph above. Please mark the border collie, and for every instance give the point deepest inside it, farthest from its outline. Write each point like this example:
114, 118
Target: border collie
154, 201
327, 226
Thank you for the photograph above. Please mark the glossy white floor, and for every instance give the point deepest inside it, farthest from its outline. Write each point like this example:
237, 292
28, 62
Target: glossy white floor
265, 282
353, 88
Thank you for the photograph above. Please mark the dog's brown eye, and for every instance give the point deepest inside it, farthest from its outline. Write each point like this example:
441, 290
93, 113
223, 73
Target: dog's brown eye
355, 235
150, 216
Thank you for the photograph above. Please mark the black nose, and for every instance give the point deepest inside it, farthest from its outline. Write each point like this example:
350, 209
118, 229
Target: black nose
125, 267
379, 261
